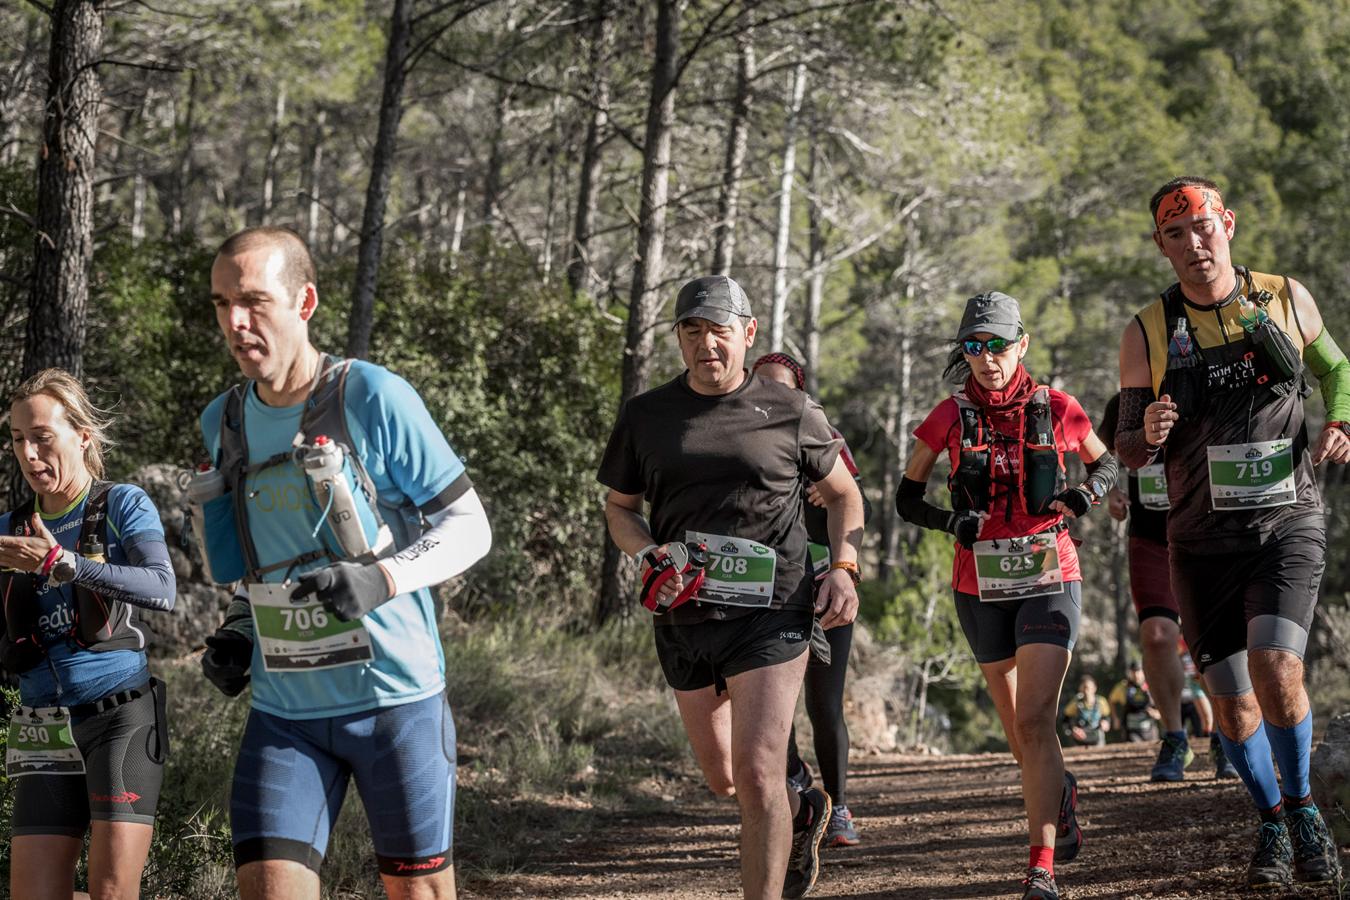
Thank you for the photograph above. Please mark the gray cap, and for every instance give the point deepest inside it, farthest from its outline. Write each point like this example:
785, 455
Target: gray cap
716, 298
993, 313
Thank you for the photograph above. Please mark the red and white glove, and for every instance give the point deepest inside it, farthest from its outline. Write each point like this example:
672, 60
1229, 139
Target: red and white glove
661, 565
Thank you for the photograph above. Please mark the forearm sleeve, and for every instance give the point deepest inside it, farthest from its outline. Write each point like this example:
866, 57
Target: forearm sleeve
146, 581
1102, 474
1327, 361
459, 536
912, 507
1133, 450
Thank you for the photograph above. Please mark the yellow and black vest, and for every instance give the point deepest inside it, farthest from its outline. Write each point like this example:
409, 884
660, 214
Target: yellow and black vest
1237, 392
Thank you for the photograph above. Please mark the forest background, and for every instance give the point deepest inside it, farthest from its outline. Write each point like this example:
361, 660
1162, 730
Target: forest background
503, 197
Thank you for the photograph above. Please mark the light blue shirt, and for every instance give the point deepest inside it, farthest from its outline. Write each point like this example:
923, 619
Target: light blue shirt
71, 675
408, 459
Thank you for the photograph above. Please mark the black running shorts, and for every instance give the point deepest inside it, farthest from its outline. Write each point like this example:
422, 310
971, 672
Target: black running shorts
708, 653
1219, 594
996, 630
124, 750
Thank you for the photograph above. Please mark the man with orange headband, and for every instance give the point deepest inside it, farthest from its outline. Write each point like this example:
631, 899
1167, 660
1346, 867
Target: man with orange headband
1212, 386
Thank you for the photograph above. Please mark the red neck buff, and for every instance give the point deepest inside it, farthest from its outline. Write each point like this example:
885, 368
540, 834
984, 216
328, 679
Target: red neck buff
1013, 396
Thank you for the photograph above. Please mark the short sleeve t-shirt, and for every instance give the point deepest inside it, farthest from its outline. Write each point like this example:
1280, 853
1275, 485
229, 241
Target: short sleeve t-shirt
78, 676
727, 465
408, 459
942, 431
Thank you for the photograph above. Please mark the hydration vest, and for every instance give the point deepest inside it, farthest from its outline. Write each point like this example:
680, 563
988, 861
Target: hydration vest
325, 413
100, 624
1041, 473
1276, 361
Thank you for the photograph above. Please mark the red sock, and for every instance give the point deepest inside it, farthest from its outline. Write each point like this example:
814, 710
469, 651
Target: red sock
1043, 858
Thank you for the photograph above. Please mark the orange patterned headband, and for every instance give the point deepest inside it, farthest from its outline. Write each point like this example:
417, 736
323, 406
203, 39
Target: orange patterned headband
1188, 201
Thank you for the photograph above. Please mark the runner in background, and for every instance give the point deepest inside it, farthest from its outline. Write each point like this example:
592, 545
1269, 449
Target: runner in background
1133, 712
1015, 576
1087, 717
824, 690
1154, 605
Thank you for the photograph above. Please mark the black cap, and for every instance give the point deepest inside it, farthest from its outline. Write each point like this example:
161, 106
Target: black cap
716, 298
993, 313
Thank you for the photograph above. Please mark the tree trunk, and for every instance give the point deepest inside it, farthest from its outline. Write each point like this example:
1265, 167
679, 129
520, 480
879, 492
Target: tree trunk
377, 191
312, 208
644, 299
728, 201
65, 193
551, 202
492, 177
780, 249
461, 200
592, 161
273, 152
815, 259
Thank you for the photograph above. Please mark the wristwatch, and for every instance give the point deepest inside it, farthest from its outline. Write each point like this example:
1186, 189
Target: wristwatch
63, 570
1343, 426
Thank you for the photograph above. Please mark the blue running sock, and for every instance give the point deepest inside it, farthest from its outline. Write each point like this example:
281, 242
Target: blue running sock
1292, 747
1177, 736
1251, 758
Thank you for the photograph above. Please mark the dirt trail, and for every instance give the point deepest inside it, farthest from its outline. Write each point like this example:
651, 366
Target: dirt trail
933, 827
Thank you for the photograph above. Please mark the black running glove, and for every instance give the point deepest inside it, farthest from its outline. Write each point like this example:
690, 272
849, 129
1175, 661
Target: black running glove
349, 589
965, 525
229, 653
1078, 500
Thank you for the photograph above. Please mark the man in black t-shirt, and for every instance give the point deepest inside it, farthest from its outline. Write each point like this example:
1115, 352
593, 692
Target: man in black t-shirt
719, 455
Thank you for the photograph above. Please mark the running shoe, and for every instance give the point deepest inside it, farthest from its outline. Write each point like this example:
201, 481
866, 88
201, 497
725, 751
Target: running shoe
1173, 757
841, 832
801, 779
1068, 837
1315, 856
1223, 767
1040, 885
804, 861
1270, 867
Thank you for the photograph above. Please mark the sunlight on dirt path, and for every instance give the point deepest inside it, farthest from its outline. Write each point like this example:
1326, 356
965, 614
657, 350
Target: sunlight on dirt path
934, 828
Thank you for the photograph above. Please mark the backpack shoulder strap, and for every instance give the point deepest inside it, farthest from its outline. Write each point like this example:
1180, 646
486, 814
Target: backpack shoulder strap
21, 515
95, 524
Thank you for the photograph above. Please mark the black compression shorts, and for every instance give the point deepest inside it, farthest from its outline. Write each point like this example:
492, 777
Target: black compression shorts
996, 630
1219, 594
708, 653
124, 750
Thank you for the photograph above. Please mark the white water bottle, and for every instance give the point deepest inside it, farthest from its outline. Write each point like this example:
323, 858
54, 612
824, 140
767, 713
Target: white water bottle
323, 464
206, 484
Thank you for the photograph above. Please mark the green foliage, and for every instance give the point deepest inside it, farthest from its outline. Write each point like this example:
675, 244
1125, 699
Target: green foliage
154, 353
522, 379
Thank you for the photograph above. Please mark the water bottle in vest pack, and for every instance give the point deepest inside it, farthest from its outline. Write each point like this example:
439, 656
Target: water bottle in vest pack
1182, 378
323, 462
212, 511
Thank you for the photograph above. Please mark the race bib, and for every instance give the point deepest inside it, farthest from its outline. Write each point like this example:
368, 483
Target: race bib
1251, 476
303, 636
1153, 487
41, 743
740, 572
820, 560
1017, 568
